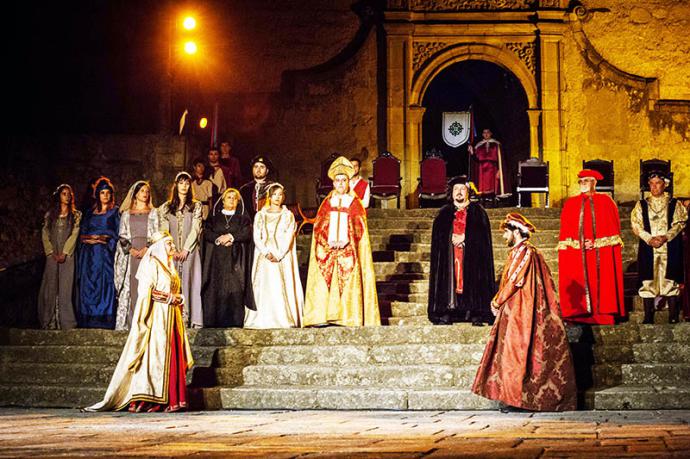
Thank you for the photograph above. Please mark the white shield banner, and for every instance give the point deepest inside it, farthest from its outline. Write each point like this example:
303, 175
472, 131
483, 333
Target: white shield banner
456, 128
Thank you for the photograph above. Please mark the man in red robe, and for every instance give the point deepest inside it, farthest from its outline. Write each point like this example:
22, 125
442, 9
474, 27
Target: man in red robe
590, 275
358, 184
527, 362
488, 168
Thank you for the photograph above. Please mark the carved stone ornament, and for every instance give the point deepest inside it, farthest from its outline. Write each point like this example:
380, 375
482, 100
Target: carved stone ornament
459, 5
550, 3
422, 51
526, 52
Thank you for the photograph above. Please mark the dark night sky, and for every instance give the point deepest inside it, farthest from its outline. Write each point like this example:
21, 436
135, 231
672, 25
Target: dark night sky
83, 66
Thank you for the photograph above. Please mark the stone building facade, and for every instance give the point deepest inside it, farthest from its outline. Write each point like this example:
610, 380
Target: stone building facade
301, 79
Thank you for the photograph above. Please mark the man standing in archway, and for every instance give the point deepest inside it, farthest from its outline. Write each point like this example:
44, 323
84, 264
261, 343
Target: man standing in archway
488, 167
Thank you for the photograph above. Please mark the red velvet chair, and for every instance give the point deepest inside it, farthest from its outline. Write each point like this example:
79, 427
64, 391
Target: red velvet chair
324, 184
385, 184
432, 180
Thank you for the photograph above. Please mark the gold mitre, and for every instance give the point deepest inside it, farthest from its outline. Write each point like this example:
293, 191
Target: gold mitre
159, 236
341, 166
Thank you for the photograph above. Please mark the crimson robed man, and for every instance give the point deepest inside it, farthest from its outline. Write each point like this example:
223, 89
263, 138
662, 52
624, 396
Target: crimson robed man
590, 275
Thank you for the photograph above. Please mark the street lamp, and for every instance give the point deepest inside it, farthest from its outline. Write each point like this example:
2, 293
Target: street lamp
189, 23
190, 47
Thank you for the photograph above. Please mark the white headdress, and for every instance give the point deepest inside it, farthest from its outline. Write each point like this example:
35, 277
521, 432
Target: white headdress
129, 199
156, 250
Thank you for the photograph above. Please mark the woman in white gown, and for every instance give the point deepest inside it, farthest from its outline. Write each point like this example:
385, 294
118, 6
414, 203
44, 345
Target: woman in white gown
275, 273
151, 373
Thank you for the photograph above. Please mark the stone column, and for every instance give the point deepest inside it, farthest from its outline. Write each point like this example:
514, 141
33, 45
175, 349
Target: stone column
534, 115
413, 155
551, 135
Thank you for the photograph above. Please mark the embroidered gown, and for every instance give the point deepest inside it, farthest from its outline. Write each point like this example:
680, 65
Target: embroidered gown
135, 232
341, 284
153, 365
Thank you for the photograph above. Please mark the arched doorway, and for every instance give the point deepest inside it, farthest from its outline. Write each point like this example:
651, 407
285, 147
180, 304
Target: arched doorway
499, 102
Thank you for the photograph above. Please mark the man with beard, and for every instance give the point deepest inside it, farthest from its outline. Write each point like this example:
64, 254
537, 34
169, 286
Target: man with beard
590, 278
461, 280
658, 221
526, 362
254, 192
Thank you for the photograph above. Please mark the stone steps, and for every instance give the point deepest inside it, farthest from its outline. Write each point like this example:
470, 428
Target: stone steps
655, 374
345, 398
642, 397
50, 396
402, 376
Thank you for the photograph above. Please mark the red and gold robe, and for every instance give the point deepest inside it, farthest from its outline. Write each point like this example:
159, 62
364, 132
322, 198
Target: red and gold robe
341, 284
488, 169
527, 362
590, 281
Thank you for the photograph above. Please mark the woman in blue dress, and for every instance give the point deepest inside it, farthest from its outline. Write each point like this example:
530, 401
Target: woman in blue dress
95, 263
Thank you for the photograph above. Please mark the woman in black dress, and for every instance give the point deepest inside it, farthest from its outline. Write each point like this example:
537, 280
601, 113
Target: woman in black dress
227, 267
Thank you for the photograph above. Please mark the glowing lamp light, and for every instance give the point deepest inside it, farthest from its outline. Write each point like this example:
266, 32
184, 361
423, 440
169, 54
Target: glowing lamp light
190, 47
189, 23
203, 122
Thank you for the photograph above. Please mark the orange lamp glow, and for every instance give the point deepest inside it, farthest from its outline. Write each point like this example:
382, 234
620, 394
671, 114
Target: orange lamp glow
189, 23
190, 47
203, 122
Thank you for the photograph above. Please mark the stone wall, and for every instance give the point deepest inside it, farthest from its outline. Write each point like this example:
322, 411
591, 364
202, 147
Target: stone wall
38, 165
604, 117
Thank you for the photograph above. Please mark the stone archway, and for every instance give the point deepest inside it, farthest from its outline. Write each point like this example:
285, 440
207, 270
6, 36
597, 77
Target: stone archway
499, 102
420, 45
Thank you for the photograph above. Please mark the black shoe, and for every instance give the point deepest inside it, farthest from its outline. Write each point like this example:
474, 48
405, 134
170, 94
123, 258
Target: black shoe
477, 323
673, 310
648, 310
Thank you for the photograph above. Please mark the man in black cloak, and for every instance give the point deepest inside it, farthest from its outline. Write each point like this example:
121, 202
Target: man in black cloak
254, 192
226, 285
462, 279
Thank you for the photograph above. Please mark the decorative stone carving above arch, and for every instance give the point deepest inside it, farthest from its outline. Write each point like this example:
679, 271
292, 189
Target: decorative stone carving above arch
526, 51
440, 57
422, 51
473, 5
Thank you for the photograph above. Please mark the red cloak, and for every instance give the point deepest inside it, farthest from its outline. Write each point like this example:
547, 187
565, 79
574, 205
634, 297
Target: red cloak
527, 361
590, 281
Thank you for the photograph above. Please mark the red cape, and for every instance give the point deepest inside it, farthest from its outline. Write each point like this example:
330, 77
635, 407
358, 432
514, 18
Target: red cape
590, 281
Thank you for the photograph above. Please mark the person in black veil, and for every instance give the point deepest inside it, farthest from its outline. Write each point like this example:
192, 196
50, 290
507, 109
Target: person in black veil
462, 278
226, 287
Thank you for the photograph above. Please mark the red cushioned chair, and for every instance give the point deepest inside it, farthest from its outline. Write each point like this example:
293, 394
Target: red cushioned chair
432, 180
385, 184
324, 184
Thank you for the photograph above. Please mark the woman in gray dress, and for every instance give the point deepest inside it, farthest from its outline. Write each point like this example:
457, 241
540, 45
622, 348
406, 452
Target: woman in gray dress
181, 216
59, 234
138, 222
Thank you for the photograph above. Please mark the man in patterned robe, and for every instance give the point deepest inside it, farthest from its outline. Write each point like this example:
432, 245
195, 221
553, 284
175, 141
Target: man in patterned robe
527, 362
341, 284
590, 278
658, 221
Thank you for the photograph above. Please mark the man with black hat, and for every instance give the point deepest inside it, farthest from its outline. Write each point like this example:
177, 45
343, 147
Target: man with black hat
658, 221
590, 275
254, 192
462, 277
527, 362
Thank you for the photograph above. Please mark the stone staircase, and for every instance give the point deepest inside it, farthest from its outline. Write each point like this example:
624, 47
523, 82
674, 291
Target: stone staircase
412, 365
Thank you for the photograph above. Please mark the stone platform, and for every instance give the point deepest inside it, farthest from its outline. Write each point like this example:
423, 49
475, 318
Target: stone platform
410, 366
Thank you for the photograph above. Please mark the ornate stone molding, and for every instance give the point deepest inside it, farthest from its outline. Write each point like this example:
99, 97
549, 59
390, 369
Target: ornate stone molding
422, 51
605, 75
460, 5
526, 52
550, 3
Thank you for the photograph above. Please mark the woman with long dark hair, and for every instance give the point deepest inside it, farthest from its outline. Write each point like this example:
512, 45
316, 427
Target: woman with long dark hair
181, 216
59, 234
138, 222
97, 242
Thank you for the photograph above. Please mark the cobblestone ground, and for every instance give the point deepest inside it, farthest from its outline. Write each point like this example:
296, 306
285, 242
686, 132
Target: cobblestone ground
360, 434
